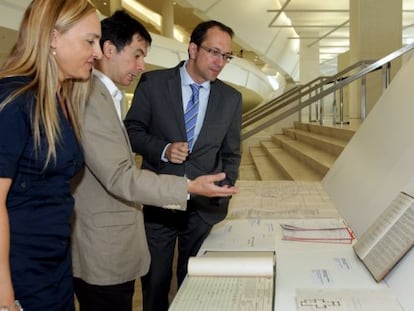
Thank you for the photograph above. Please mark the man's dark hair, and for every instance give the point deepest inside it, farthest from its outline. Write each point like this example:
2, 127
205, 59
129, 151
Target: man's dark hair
199, 33
120, 28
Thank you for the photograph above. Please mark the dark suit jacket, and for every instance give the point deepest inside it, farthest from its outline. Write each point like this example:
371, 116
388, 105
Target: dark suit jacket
156, 118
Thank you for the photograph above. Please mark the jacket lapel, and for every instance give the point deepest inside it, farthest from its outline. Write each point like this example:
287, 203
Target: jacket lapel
110, 111
212, 111
175, 98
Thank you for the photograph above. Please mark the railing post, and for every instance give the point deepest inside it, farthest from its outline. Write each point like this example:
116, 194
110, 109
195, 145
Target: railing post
316, 106
386, 76
334, 108
363, 97
321, 108
341, 105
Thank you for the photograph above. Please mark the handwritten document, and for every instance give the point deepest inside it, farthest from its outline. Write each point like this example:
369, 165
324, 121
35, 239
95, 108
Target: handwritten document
281, 199
243, 234
228, 281
389, 238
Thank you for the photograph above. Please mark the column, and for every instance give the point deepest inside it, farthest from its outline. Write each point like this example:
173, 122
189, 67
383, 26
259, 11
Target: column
375, 31
167, 18
309, 57
309, 67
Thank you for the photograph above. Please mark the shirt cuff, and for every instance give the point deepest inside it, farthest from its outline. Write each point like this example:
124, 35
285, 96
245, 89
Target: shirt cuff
163, 157
188, 194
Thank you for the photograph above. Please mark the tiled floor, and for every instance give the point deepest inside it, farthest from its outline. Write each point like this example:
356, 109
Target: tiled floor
137, 297
137, 306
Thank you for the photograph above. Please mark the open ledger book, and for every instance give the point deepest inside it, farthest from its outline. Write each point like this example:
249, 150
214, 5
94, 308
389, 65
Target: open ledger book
228, 280
389, 238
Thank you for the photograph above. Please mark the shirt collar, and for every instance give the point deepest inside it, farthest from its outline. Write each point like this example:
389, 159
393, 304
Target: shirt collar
187, 80
109, 84
116, 93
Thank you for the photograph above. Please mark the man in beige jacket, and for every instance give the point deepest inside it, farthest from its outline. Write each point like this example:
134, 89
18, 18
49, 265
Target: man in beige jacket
109, 245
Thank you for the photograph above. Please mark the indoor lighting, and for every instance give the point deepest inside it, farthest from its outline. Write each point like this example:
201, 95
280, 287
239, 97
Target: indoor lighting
150, 17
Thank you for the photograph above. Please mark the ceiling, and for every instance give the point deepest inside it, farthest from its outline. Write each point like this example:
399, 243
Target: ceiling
326, 23
185, 18
258, 25
323, 23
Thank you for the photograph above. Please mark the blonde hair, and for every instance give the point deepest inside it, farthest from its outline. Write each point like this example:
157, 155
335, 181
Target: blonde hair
31, 56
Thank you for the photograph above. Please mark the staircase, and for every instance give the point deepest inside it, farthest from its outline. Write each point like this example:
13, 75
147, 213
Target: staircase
304, 152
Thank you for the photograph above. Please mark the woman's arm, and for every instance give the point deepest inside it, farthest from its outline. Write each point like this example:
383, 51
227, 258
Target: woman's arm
6, 288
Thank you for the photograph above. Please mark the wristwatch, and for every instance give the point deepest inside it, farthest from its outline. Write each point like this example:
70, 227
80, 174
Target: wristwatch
16, 306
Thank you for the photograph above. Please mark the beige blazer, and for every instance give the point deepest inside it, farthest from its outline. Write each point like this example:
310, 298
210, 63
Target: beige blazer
108, 242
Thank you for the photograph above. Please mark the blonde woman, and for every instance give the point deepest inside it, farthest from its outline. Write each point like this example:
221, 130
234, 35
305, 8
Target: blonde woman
43, 83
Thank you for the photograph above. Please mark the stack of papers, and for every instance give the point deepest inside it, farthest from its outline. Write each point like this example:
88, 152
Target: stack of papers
318, 230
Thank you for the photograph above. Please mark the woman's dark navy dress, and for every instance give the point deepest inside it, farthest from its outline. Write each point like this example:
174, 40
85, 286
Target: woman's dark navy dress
39, 204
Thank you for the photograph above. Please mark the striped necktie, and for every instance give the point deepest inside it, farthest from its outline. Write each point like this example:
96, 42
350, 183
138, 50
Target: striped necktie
190, 115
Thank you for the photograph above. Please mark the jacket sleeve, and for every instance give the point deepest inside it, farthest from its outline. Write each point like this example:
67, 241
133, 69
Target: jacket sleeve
109, 159
230, 150
138, 122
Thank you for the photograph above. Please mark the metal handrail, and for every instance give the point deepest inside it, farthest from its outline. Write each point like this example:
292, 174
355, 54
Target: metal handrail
295, 96
304, 89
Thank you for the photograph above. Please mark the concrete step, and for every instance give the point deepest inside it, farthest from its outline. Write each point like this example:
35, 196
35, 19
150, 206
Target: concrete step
303, 152
318, 160
342, 133
248, 172
247, 169
265, 167
330, 144
292, 167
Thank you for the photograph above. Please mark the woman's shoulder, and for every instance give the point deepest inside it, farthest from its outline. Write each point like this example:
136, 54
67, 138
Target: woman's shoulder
10, 85
14, 81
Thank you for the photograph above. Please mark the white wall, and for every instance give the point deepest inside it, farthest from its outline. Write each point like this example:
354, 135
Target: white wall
377, 164
12, 12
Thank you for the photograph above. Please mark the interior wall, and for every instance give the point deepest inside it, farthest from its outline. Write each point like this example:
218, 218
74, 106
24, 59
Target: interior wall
376, 165
375, 31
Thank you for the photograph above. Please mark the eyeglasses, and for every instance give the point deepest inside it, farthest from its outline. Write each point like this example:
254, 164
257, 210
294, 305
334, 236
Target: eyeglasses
216, 53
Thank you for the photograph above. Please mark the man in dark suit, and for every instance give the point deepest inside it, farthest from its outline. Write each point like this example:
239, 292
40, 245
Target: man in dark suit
108, 240
156, 125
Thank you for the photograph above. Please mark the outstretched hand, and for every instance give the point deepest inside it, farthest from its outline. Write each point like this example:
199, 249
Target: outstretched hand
205, 186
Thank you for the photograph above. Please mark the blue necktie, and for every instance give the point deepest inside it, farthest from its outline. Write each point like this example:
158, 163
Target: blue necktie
190, 115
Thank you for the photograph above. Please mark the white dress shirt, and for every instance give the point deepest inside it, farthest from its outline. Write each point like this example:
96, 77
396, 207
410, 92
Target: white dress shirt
117, 95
